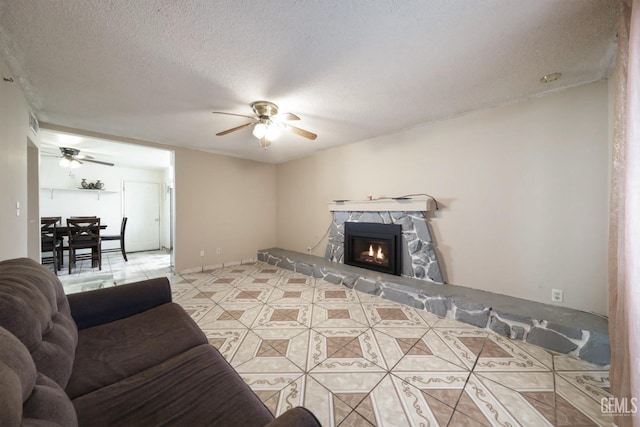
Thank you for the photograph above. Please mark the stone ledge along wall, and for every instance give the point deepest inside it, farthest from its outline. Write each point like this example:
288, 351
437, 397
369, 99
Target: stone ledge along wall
419, 258
587, 345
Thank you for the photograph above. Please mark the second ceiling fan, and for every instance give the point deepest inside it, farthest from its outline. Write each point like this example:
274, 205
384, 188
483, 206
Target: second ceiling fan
267, 123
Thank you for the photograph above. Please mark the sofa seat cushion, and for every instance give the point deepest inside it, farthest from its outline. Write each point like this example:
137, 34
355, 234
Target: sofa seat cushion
195, 388
116, 350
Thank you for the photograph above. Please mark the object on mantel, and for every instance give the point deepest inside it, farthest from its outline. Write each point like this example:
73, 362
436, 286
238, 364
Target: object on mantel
98, 185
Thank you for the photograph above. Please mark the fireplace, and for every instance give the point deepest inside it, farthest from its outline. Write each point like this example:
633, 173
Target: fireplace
373, 246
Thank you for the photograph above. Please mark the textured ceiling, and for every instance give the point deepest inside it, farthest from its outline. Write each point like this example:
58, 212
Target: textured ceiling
352, 70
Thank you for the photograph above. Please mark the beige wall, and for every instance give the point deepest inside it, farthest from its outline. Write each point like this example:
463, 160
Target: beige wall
14, 135
222, 202
524, 189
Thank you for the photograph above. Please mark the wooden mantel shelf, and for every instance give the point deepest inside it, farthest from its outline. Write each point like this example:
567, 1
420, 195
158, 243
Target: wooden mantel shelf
381, 205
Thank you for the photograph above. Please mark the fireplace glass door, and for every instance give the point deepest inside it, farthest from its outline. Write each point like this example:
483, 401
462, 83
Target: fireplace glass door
373, 246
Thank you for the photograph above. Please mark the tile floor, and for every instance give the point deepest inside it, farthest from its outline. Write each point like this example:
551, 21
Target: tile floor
359, 360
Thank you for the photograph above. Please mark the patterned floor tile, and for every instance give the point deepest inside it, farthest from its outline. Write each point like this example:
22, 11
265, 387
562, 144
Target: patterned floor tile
248, 293
263, 280
445, 387
325, 405
394, 402
335, 295
530, 404
257, 355
198, 310
499, 353
295, 280
336, 315
265, 271
344, 350
350, 388
284, 316
292, 294
195, 295
569, 363
592, 383
230, 316
241, 269
466, 343
430, 350
291, 343
480, 404
278, 391
545, 357
405, 354
577, 405
226, 279
179, 291
389, 314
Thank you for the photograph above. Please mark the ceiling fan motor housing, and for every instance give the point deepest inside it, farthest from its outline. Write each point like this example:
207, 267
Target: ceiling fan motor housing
264, 109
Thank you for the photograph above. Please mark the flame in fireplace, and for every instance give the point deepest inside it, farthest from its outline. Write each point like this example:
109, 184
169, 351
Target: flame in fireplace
378, 254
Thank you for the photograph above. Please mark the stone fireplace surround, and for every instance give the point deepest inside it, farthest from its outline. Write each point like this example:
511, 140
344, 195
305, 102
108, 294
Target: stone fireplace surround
419, 259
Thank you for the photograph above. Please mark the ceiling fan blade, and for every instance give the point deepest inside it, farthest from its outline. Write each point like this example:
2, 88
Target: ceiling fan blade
301, 132
285, 116
84, 157
96, 161
233, 114
224, 132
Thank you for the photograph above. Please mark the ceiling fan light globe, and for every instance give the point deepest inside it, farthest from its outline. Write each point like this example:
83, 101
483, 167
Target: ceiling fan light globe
64, 162
74, 164
272, 132
259, 130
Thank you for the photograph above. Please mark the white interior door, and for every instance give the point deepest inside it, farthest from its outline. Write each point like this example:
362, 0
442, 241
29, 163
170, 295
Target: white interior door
142, 208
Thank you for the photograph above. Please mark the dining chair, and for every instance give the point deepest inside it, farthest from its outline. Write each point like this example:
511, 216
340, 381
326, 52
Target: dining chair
120, 237
50, 242
84, 233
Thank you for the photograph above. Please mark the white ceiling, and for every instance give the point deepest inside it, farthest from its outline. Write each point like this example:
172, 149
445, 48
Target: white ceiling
352, 70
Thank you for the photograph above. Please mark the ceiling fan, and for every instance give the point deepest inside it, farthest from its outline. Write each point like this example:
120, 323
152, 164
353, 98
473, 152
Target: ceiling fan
267, 123
71, 158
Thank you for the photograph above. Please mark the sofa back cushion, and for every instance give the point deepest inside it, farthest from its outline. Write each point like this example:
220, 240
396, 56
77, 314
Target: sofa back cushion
34, 308
29, 397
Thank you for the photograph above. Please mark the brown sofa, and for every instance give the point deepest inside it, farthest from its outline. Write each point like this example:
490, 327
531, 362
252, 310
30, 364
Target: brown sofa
124, 356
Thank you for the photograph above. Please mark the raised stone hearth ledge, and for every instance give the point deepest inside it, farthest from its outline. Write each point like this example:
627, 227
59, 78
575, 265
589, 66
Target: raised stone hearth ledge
558, 329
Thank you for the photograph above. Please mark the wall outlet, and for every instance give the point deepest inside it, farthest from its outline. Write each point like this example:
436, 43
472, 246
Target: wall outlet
557, 295
218, 251
202, 253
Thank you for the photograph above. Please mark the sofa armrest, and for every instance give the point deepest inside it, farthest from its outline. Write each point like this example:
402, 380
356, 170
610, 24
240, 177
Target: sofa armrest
299, 417
105, 305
